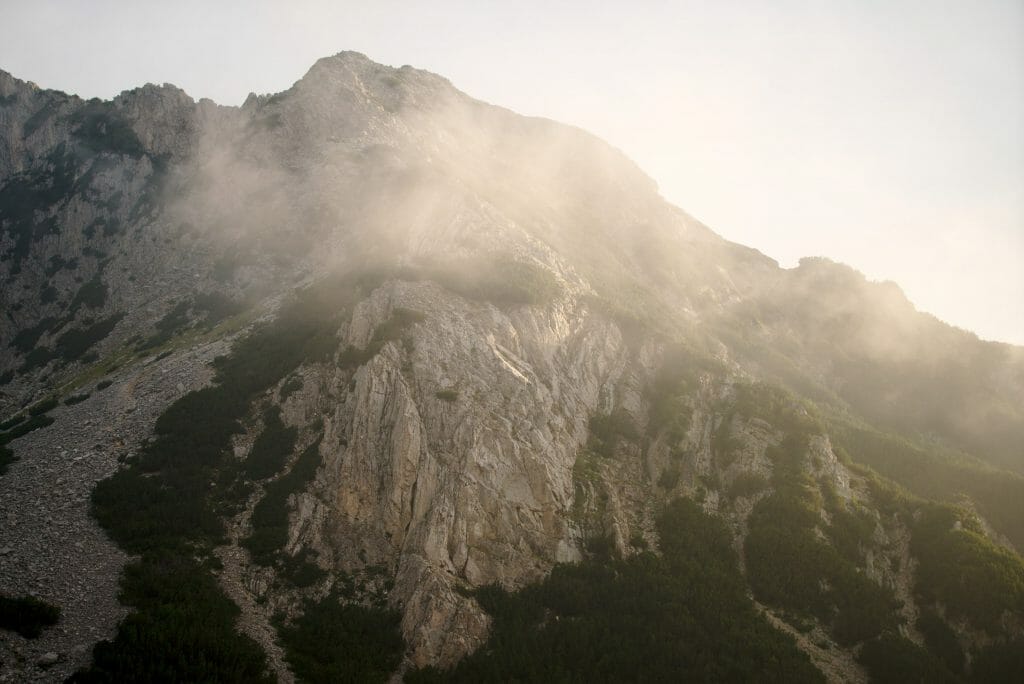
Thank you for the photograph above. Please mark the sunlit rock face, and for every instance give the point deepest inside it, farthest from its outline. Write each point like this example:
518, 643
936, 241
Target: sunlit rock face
450, 456
468, 488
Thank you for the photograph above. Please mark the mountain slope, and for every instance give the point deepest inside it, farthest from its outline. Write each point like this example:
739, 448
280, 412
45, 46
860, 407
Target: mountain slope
466, 348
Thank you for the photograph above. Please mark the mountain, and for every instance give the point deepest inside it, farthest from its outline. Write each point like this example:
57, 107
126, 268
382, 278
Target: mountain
369, 379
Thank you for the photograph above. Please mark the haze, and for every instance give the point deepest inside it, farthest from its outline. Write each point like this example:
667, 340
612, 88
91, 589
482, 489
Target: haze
889, 136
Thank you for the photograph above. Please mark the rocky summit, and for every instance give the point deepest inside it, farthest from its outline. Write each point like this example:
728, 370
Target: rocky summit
368, 380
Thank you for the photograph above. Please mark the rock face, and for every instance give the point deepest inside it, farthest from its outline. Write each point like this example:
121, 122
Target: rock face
474, 487
543, 280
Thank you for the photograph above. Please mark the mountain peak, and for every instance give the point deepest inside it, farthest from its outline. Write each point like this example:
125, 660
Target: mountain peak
356, 71
452, 348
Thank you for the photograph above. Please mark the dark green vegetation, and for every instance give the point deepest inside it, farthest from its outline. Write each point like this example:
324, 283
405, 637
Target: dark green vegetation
892, 365
32, 201
1001, 663
893, 659
92, 295
27, 338
747, 485
941, 640
290, 387
7, 457
142, 512
100, 127
334, 642
988, 579
997, 494
791, 568
500, 278
608, 431
13, 420
271, 449
27, 196
204, 310
681, 616
73, 344
182, 629
169, 503
670, 411
22, 424
448, 395
44, 406
390, 330
25, 427
27, 615
167, 326
270, 516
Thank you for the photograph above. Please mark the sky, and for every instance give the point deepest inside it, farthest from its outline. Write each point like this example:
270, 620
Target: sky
886, 134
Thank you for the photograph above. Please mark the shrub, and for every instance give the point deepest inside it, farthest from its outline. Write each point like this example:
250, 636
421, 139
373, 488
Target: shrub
1001, 662
33, 423
73, 344
272, 448
12, 421
611, 619
894, 659
27, 339
669, 478
500, 278
333, 642
270, 516
290, 387
44, 406
182, 630
92, 295
27, 615
100, 127
608, 430
791, 568
168, 326
989, 578
7, 457
941, 640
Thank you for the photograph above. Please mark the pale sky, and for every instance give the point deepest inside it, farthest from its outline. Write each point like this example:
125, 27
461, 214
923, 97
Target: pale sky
885, 134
